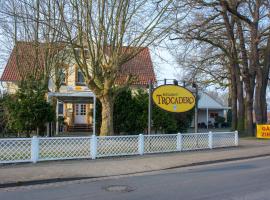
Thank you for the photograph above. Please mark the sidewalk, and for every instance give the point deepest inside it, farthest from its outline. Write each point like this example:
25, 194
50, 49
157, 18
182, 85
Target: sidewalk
127, 165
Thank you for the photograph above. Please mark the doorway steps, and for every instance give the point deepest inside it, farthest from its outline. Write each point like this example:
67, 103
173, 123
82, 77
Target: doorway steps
80, 128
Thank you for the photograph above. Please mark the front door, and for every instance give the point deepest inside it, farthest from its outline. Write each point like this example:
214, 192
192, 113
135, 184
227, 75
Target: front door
80, 114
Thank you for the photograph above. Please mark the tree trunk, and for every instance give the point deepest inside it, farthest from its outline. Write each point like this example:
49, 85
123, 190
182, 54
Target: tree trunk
241, 108
249, 110
233, 101
240, 97
266, 69
258, 98
248, 78
261, 87
107, 103
264, 101
249, 116
235, 69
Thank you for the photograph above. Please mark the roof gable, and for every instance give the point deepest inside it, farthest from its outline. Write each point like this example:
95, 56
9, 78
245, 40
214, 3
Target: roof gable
20, 62
140, 67
205, 101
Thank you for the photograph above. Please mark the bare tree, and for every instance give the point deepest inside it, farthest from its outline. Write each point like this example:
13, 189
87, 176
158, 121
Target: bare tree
39, 49
239, 29
37, 43
104, 35
206, 30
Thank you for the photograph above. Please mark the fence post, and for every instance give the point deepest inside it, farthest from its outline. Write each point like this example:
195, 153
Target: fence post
179, 142
141, 144
93, 151
210, 140
34, 149
236, 138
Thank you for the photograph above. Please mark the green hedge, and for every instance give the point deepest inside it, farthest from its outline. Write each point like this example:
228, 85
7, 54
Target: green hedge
131, 115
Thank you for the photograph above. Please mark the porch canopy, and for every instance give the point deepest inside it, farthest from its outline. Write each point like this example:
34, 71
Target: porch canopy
74, 97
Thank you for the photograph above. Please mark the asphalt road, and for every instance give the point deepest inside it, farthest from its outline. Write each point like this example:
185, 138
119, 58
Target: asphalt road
241, 180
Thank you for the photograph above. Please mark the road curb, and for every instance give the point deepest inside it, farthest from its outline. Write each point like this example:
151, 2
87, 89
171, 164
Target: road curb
67, 179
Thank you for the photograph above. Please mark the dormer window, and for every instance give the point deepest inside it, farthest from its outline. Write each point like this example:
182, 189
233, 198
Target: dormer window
86, 53
77, 52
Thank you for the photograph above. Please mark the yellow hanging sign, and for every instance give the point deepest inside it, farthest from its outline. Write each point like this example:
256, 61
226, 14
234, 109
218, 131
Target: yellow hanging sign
78, 88
173, 98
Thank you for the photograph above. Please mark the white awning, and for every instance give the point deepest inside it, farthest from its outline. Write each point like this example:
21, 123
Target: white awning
73, 97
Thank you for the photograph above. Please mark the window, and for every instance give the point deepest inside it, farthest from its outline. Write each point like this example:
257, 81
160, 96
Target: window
63, 75
77, 52
77, 109
86, 53
213, 115
80, 109
80, 77
60, 108
83, 109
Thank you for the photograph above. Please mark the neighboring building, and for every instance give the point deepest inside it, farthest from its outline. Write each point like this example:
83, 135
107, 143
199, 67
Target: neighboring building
76, 102
208, 110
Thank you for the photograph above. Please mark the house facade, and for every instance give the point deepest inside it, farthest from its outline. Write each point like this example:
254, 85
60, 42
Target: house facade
208, 109
75, 102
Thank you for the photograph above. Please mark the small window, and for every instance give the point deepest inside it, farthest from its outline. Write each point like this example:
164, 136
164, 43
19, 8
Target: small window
77, 109
213, 115
80, 77
60, 108
77, 52
80, 109
62, 75
86, 53
83, 109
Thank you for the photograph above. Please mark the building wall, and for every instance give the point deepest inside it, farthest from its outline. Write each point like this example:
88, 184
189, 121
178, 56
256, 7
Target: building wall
202, 117
11, 87
72, 75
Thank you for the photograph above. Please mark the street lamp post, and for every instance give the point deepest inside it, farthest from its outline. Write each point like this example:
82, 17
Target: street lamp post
194, 85
149, 107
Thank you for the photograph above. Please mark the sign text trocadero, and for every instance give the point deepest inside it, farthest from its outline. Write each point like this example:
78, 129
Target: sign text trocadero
173, 98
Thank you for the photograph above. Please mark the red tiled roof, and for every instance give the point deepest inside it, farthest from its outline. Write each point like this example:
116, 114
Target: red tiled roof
20, 62
140, 67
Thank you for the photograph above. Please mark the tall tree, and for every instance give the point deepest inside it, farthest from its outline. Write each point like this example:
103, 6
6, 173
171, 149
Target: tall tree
240, 30
36, 38
104, 35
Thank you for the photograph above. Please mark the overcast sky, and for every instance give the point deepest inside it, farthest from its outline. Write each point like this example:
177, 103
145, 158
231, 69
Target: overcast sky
164, 64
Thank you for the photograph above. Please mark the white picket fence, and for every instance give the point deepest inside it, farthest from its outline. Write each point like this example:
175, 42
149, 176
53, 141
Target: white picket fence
62, 148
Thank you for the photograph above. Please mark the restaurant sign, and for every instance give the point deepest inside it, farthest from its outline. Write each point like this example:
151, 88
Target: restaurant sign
173, 98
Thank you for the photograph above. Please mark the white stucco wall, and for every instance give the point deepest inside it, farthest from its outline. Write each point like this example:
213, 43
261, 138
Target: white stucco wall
10, 87
202, 117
